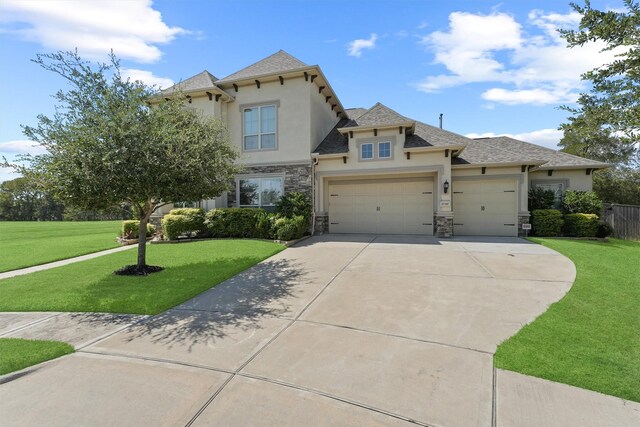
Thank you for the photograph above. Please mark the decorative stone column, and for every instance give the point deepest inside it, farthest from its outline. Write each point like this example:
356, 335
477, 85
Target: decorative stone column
443, 224
523, 218
322, 223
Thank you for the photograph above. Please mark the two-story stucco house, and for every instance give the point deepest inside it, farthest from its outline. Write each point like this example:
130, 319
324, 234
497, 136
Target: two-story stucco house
371, 170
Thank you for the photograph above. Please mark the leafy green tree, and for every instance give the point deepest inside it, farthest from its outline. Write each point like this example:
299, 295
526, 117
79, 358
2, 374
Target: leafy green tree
619, 185
22, 201
606, 123
113, 141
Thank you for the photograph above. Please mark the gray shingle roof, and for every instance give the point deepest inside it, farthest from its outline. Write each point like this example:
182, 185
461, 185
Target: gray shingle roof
278, 62
378, 115
504, 149
425, 135
204, 80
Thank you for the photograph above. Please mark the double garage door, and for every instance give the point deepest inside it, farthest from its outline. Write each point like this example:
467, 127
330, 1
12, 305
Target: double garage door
391, 206
485, 208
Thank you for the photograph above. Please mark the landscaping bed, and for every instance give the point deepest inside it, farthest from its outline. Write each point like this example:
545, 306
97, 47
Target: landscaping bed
590, 338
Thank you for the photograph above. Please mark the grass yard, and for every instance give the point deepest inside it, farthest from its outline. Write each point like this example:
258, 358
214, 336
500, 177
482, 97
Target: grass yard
190, 268
28, 243
17, 353
590, 338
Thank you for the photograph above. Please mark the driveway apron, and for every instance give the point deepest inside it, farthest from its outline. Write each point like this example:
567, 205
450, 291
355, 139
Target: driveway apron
339, 329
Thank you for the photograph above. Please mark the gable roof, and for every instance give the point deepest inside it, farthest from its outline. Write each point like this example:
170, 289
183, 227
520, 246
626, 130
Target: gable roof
280, 61
425, 135
204, 80
505, 149
378, 115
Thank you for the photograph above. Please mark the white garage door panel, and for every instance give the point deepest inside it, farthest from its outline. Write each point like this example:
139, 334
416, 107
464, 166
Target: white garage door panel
382, 207
485, 208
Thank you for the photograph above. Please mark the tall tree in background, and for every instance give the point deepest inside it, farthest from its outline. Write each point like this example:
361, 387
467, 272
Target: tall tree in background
107, 146
606, 124
20, 200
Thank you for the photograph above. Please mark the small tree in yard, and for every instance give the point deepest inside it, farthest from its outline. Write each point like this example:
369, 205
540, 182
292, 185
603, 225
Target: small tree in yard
106, 145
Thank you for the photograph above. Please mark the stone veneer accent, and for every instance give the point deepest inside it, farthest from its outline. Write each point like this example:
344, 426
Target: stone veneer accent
322, 223
523, 219
444, 225
296, 178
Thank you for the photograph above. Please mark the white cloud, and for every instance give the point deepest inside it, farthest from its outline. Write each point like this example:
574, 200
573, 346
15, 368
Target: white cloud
528, 96
21, 147
7, 174
146, 77
546, 137
531, 57
133, 29
357, 46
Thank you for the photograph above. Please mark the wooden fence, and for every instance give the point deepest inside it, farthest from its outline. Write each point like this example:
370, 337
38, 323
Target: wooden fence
625, 220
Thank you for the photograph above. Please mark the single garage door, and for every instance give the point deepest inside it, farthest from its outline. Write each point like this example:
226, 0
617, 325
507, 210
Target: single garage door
485, 208
392, 206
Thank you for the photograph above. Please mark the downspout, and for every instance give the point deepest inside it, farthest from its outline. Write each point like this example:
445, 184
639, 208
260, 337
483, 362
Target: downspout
313, 196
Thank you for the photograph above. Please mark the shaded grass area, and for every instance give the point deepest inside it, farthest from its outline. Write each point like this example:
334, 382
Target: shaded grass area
190, 268
590, 338
29, 243
17, 353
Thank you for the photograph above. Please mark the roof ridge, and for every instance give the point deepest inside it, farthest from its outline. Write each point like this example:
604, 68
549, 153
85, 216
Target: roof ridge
287, 55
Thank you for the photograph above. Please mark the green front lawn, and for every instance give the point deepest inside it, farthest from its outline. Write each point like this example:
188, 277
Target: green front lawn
28, 243
590, 338
190, 268
16, 353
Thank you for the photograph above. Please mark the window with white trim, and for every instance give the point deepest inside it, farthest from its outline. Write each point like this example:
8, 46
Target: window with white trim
256, 192
366, 151
384, 150
259, 127
558, 191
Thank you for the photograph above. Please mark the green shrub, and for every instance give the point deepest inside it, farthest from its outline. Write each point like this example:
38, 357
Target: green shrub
234, 222
539, 198
290, 228
184, 221
546, 222
130, 229
604, 230
586, 202
580, 225
265, 225
294, 204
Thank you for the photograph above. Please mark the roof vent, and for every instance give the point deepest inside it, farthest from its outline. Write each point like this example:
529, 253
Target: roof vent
441, 120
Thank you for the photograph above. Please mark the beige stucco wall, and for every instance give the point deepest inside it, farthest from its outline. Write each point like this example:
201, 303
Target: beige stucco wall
576, 179
206, 107
293, 125
322, 118
433, 163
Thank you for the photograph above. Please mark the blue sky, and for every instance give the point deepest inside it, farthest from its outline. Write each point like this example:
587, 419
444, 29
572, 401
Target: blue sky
492, 68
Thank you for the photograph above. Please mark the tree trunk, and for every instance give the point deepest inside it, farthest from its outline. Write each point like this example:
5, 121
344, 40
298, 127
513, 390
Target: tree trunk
142, 240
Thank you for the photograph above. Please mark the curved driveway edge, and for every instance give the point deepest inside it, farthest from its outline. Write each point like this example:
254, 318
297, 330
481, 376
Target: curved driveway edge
343, 329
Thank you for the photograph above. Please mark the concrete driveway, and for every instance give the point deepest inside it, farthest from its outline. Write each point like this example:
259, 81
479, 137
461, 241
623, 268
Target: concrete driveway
344, 330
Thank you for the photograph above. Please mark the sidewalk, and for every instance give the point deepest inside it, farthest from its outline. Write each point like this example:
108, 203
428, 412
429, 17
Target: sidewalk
20, 272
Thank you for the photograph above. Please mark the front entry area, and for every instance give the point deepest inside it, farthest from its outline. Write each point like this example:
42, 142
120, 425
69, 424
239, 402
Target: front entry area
485, 207
385, 206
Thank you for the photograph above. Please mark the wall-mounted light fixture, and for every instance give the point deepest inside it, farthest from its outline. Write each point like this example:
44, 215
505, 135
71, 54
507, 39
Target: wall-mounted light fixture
445, 186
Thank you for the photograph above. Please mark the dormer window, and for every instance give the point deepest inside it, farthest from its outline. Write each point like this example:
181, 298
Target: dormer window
259, 126
384, 150
366, 151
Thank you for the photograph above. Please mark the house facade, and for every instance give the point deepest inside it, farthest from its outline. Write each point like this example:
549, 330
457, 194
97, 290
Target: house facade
370, 170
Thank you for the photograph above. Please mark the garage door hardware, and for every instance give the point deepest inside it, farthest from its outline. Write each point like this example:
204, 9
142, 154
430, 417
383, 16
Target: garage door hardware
427, 223
334, 195
509, 191
455, 223
510, 225
335, 223
427, 192
458, 192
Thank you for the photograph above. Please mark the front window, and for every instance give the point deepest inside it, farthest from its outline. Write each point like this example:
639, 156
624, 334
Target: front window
558, 190
366, 151
384, 150
255, 192
260, 128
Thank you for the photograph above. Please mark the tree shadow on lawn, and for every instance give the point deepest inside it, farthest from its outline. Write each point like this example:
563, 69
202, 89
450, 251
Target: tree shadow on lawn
239, 304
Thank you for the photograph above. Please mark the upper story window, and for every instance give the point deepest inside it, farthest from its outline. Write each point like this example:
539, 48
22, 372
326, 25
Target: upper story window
384, 150
259, 127
366, 151
378, 150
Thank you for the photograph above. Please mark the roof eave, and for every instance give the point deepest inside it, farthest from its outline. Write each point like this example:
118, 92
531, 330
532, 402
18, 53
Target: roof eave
329, 155
500, 164
408, 124
574, 167
432, 148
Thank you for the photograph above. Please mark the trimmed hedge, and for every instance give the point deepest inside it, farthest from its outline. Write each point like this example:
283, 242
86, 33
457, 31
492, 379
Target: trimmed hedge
580, 225
234, 222
294, 204
290, 228
181, 221
546, 222
539, 198
130, 229
604, 230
